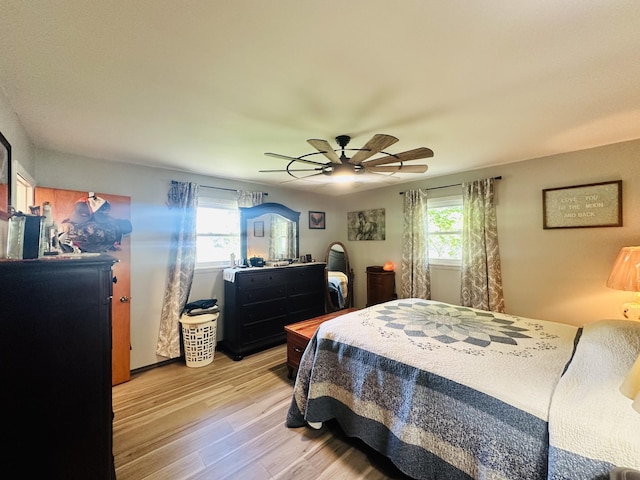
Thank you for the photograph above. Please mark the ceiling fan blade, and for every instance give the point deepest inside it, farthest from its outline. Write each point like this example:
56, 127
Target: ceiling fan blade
300, 178
323, 147
296, 159
422, 152
398, 168
378, 143
290, 170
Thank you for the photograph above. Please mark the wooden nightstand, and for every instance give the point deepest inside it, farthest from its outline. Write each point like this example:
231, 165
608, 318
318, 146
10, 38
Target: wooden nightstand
299, 334
381, 285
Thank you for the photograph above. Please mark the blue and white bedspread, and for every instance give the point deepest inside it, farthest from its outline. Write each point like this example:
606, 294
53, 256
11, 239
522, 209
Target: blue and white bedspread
445, 392
592, 426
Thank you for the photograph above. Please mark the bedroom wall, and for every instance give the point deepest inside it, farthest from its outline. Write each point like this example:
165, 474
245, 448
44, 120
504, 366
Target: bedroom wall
549, 274
147, 188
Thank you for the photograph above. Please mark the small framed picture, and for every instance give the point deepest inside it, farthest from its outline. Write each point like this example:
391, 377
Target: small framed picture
258, 229
316, 220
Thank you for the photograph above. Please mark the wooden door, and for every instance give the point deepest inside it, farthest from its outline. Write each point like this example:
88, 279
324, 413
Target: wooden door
62, 205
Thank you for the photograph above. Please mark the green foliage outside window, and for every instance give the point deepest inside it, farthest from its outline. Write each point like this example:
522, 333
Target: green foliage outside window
445, 232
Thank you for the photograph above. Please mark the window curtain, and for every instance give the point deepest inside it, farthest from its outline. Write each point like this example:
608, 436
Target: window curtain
247, 198
416, 279
182, 203
481, 285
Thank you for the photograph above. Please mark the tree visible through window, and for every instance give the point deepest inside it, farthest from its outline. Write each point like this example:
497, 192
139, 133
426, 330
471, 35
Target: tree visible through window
445, 230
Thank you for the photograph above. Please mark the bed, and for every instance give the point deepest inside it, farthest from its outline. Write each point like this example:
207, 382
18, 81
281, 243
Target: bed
338, 284
449, 392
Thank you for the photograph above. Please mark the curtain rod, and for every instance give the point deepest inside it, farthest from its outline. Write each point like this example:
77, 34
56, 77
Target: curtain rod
453, 185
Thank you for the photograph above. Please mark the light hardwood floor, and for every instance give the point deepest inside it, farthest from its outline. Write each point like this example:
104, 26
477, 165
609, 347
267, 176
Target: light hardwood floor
226, 421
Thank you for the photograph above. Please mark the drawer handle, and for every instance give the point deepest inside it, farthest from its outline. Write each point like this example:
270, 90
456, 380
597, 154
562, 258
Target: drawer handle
298, 350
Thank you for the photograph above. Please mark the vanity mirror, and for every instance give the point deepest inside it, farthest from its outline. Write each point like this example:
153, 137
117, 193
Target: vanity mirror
269, 231
339, 277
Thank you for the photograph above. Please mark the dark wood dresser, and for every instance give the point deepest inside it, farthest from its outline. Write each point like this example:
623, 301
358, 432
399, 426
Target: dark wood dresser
55, 352
259, 302
381, 285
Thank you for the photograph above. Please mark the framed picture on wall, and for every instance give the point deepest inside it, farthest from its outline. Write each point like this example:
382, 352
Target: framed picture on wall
316, 220
366, 224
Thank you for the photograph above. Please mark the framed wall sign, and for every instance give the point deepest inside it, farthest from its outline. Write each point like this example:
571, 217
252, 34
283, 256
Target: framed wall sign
258, 229
579, 206
5, 177
316, 220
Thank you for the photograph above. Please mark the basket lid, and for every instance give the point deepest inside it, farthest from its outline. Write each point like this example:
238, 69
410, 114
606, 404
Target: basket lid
197, 319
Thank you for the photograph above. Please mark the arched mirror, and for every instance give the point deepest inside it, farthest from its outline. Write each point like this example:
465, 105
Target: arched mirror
339, 276
269, 231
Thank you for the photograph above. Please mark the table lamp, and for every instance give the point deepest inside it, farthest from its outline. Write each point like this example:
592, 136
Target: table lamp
625, 275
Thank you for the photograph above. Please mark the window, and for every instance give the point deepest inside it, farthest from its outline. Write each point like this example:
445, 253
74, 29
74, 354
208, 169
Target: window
24, 192
217, 230
445, 230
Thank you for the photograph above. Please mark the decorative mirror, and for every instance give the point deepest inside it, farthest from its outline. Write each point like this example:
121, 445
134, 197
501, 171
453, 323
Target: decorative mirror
339, 276
5, 177
269, 231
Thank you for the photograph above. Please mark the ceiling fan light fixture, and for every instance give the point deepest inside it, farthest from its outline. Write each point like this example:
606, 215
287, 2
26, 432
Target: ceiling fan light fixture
342, 171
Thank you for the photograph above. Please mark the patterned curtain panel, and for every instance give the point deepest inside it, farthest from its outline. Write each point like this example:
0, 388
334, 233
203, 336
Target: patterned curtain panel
481, 285
182, 202
416, 280
247, 198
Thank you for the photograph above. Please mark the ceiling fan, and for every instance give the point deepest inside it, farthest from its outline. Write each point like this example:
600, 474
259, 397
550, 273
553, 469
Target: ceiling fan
342, 166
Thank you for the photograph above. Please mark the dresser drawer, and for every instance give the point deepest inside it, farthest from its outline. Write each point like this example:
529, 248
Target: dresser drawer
262, 294
264, 330
300, 287
295, 348
303, 274
255, 279
304, 301
262, 311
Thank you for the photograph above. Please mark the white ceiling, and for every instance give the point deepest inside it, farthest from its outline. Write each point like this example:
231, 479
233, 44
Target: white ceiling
210, 86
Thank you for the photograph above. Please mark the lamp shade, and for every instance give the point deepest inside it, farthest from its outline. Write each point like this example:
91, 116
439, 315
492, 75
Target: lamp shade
631, 386
625, 274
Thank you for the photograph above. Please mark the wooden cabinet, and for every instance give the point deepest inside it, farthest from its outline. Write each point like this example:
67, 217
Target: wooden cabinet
381, 285
55, 352
259, 302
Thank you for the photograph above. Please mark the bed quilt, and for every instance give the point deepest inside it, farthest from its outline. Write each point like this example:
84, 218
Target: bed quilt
446, 392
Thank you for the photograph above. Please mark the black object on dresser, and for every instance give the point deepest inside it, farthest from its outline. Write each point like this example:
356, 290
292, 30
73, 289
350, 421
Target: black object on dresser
55, 352
259, 302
